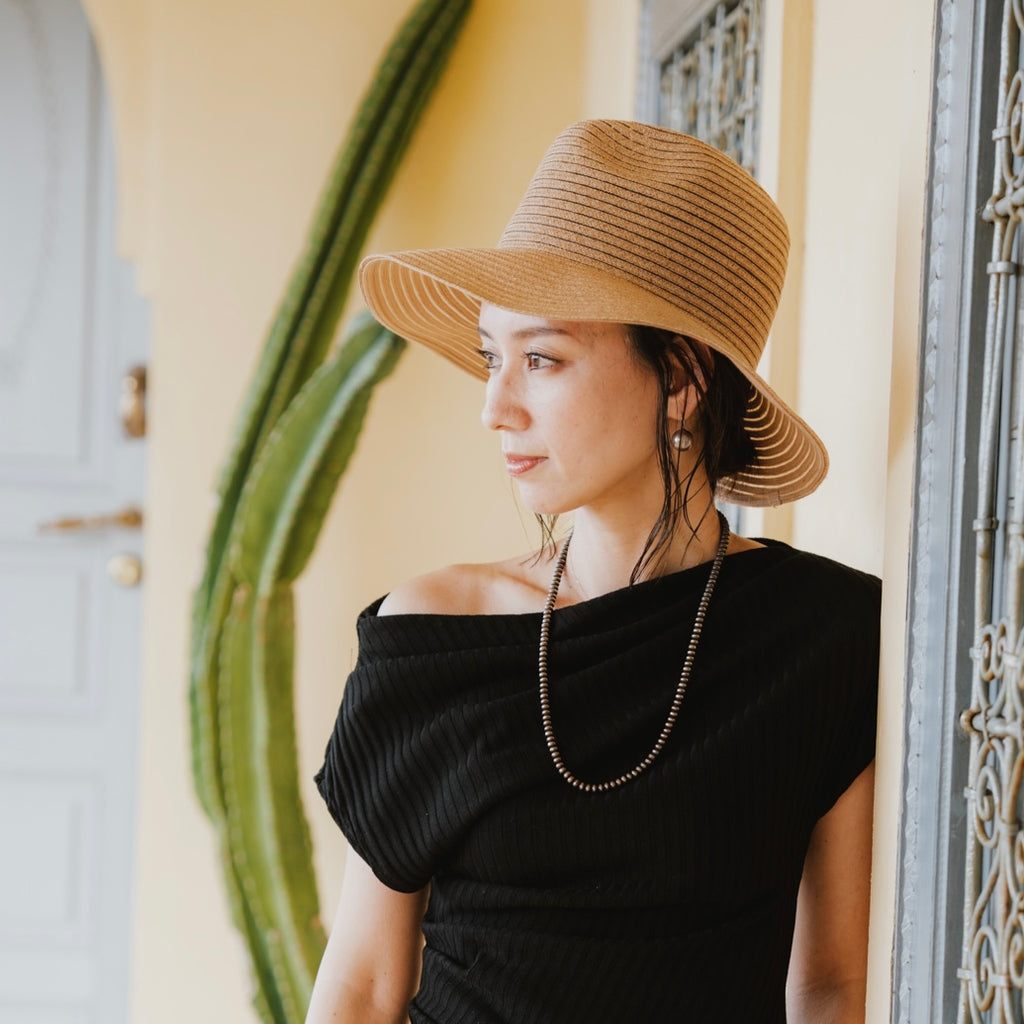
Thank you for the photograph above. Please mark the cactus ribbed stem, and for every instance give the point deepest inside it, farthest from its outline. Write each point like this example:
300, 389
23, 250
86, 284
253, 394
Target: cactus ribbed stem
296, 432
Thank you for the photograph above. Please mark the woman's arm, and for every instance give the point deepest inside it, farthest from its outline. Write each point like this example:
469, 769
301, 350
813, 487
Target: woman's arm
371, 967
828, 965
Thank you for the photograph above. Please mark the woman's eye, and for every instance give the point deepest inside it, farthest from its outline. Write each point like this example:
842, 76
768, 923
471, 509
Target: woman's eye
490, 360
536, 361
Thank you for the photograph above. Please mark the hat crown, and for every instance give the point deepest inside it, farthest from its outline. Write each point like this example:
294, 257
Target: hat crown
668, 213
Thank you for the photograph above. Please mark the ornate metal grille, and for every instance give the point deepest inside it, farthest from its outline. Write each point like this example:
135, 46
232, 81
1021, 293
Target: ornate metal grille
709, 84
992, 960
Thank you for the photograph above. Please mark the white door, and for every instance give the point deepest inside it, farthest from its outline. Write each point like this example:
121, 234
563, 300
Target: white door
70, 330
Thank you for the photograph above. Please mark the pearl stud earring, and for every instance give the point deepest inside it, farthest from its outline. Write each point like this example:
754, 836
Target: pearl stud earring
682, 440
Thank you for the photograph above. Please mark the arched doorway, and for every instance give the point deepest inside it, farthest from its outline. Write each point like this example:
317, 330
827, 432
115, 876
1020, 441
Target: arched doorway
73, 339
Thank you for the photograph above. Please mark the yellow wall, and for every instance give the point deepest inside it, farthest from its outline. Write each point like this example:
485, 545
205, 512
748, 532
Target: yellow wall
847, 87
227, 115
912, 84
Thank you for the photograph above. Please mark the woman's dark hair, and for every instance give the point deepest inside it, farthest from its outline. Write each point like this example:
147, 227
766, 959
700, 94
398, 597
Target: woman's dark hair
723, 394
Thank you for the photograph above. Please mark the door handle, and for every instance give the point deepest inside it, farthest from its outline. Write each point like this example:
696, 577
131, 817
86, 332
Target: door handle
129, 518
131, 406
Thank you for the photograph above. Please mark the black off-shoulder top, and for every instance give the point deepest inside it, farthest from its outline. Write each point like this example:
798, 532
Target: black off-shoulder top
671, 898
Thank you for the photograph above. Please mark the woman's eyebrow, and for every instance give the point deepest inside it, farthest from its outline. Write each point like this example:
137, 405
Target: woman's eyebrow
525, 333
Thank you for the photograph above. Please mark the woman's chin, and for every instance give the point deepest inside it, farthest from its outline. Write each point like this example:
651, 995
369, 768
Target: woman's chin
543, 508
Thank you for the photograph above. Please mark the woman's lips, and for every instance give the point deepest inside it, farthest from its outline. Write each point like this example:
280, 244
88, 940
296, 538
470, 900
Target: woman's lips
517, 465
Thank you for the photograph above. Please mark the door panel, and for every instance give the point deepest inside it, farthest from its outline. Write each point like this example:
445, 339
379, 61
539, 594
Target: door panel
48, 121
70, 329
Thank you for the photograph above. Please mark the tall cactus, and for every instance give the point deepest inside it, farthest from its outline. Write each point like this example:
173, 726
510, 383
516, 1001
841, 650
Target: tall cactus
296, 432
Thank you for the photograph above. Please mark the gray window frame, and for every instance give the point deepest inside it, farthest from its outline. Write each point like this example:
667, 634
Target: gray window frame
940, 627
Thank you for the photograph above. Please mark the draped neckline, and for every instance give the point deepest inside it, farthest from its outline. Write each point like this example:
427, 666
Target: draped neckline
615, 608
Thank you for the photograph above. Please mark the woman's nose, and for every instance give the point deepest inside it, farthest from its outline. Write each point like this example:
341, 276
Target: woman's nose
503, 409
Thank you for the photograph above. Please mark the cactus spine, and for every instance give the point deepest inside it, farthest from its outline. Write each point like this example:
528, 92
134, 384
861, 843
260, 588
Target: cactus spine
296, 432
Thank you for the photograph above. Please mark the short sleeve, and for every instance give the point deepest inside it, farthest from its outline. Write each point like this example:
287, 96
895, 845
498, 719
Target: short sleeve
852, 692
420, 750
360, 782
368, 775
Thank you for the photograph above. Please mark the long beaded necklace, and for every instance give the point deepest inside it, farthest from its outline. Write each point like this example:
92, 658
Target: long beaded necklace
684, 676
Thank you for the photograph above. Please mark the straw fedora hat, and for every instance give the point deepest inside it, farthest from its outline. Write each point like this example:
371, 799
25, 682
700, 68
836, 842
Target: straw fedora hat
635, 224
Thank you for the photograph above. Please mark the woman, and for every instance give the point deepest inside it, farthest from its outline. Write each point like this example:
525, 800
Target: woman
627, 778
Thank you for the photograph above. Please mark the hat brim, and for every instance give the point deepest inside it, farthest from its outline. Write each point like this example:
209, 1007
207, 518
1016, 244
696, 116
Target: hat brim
433, 297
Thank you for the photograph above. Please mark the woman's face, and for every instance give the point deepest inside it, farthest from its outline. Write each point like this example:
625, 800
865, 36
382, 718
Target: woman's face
576, 410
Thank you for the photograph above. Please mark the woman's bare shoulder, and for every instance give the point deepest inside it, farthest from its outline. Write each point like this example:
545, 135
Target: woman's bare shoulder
488, 588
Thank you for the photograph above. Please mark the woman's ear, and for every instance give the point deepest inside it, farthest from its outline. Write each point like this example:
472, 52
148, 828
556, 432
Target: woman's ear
692, 368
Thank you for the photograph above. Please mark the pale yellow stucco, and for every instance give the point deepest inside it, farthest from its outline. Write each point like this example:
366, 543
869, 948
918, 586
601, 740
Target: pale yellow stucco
847, 90
227, 115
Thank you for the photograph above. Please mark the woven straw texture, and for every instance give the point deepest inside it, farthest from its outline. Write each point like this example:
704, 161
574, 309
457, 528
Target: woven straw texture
626, 223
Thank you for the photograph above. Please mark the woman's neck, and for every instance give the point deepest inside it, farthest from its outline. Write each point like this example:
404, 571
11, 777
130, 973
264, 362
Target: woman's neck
604, 553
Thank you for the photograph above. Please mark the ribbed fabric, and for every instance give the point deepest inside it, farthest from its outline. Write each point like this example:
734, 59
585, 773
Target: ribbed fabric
669, 899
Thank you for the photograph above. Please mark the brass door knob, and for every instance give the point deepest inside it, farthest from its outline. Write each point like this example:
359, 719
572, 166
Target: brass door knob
125, 570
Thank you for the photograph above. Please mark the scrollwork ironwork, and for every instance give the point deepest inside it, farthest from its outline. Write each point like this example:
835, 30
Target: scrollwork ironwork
992, 967
709, 84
